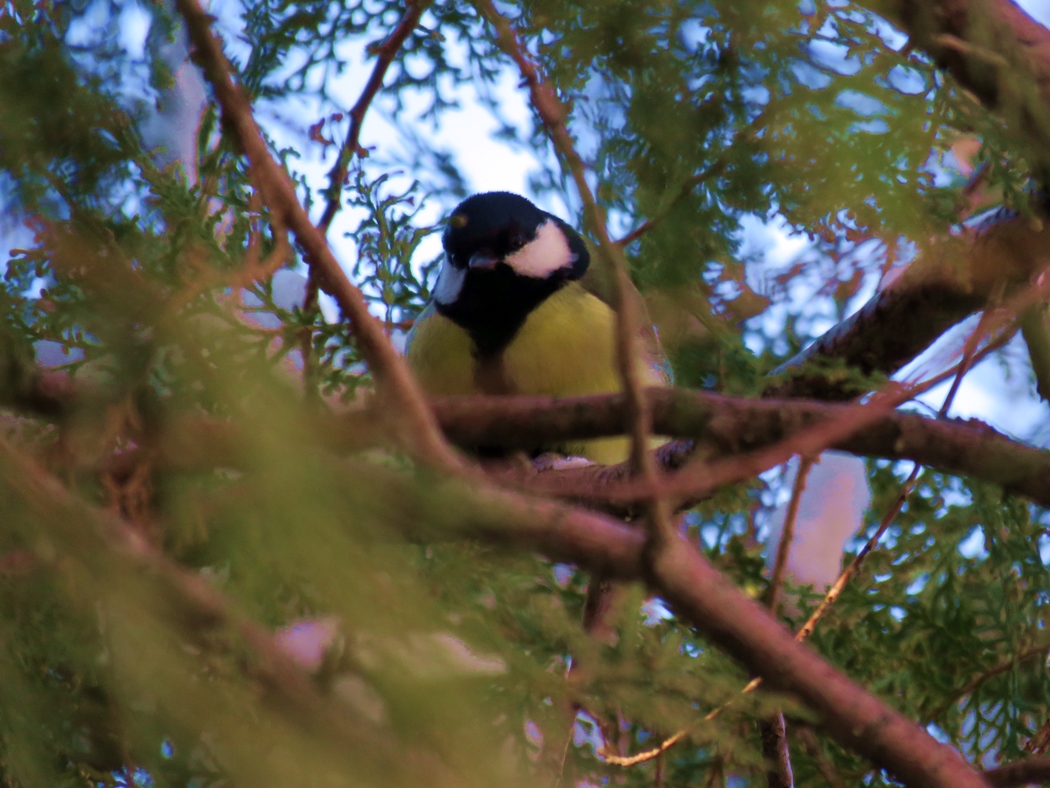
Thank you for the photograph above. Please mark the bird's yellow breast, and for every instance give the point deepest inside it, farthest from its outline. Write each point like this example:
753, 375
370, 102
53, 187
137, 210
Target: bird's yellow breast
566, 347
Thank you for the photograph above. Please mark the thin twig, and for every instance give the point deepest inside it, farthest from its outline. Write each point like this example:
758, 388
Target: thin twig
813, 749
715, 169
902, 497
787, 534
385, 54
306, 337
681, 582
554, 115
773, 731
1005, 335
843, 580
414, 423
1003, 667
807, 629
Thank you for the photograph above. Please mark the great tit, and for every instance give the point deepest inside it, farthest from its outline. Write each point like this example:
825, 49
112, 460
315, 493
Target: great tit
517, 309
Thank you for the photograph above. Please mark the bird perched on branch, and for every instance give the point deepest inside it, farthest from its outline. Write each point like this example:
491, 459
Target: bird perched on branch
517, 309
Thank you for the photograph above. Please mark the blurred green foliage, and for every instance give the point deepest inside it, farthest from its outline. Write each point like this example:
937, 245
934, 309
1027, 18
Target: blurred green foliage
696, 114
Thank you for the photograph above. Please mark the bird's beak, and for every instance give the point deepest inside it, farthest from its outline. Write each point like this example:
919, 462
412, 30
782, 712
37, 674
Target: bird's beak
482, 261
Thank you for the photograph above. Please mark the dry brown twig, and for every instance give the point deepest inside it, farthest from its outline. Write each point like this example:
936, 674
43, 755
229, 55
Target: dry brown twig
385, 54
774, 730
415, 424
787, 535
891, 514
554, 115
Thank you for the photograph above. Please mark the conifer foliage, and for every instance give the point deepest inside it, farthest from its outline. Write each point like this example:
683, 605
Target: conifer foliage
239, 547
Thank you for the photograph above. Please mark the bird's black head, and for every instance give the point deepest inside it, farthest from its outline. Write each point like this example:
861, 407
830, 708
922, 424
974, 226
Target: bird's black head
503, 257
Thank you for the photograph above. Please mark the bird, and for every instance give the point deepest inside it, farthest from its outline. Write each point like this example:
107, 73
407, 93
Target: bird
518, 308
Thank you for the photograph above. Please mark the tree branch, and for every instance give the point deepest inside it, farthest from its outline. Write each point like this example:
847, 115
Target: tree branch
554, 116
698, 594
724, 426
351, 146
994, 50
936, 292
1000, 54
188, 603
773, 733
414, 424
1030, 770
728, 425
787, 535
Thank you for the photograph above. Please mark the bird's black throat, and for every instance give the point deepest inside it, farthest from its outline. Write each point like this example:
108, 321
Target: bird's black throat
493, 305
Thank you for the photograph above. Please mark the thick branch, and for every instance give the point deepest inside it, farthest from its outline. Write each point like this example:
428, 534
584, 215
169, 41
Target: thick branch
697, 593
934, 294
1030, 770
723, 426
728, 425
413, 421
996, 51
1002, 56
426, 508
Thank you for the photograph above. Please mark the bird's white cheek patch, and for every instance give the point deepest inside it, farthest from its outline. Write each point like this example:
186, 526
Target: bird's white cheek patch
544, 254
449, 283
